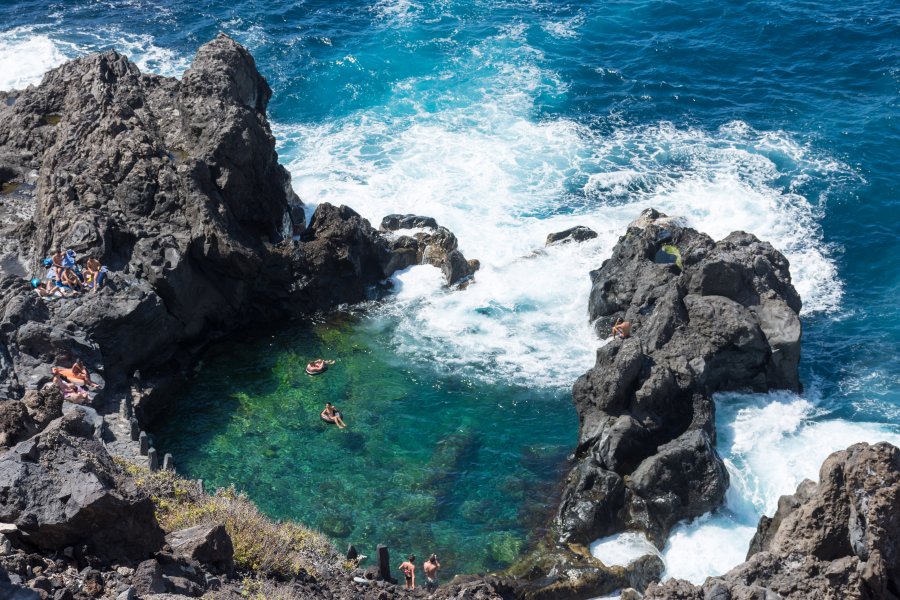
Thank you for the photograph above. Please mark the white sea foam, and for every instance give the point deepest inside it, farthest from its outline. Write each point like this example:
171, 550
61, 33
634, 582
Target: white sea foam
143, 51
622, 548
25, 55
565, 28
502, 180
770, 444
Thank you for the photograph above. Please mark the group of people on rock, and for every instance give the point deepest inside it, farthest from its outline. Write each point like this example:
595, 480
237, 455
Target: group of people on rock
430, 566
66, 278
75, 382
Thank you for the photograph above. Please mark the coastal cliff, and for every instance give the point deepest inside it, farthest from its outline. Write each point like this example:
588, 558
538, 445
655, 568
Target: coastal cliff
176, 187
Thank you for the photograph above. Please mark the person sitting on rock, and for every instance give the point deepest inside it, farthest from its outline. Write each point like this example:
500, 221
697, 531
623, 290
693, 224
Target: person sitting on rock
57, 263
70, 280
78, 374
70, 391
94, 274
621, 329
330, 414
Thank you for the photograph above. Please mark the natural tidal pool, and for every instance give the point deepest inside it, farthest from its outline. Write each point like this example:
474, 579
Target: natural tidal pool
432, 460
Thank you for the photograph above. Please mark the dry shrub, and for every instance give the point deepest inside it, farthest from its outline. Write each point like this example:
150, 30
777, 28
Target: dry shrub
261, 545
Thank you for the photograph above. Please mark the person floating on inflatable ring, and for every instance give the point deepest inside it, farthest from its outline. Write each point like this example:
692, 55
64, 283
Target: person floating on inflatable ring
332, 415
318, 366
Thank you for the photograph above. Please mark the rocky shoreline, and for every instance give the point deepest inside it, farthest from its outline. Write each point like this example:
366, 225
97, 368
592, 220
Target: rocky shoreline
176, 186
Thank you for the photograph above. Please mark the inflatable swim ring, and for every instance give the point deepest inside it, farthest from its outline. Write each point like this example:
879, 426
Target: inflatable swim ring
311, 370
337, 413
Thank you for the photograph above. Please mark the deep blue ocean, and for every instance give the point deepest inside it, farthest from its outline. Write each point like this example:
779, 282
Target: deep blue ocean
506, 121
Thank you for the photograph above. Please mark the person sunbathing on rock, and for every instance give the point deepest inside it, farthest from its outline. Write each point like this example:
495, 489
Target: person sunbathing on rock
621, 329
48, 289
78, 374
320, 365
330, 414
70, 391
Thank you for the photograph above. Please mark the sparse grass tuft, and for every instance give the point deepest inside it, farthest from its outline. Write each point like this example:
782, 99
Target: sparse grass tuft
261, 545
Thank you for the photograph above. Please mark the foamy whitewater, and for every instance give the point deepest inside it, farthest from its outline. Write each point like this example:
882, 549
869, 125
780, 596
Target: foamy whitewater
509, 122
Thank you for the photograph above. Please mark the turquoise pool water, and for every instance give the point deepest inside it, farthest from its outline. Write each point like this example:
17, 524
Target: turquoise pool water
429, 462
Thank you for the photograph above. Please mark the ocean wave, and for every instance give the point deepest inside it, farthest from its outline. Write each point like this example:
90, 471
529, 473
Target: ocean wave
770, 443
27, 52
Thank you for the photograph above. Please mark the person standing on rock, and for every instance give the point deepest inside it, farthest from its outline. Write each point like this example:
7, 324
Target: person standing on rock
431, 567
409, 571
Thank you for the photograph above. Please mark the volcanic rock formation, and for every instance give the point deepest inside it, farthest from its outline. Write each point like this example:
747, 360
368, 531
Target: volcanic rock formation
706, 317
433, 245
176, 186
839, 538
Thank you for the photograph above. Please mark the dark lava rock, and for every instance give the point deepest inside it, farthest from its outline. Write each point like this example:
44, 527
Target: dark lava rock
207, 545
13, 591
61, 488
148, 578
579, 233
438, 247
395, 222
839, 538
723, 316
15, 423
176, 187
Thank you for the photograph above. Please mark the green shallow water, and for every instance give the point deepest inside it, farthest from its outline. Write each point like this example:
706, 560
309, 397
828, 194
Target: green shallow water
431, 461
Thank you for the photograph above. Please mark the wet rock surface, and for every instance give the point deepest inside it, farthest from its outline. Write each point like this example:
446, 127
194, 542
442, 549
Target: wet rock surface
839, 538
436, 246
579, 233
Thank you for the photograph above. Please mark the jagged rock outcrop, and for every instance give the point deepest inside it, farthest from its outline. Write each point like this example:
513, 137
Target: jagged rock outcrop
176, 186
437, 247
839, 538
579, 233
61, 488
706, 317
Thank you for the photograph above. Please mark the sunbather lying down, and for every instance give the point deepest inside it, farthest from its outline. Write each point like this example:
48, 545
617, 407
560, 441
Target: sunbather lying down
71, 392
77, 375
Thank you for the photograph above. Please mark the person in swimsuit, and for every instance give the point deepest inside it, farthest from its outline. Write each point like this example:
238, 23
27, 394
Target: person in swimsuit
71, 392
331, 415
431, 566
78, 374
318, 365
621, 329
408, 569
